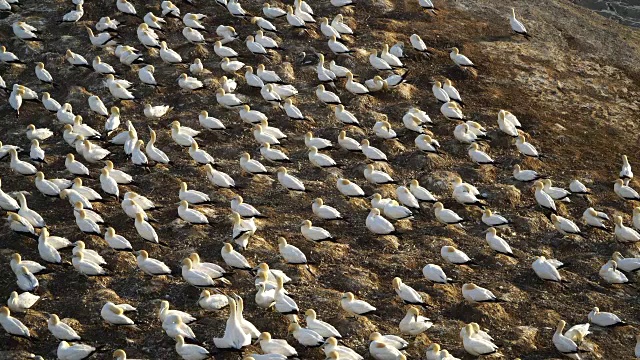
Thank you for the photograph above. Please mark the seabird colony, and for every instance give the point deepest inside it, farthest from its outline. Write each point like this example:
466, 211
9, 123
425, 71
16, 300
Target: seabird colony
123, 193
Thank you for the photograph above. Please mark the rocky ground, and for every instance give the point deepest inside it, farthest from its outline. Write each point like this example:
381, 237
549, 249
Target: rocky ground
574, 87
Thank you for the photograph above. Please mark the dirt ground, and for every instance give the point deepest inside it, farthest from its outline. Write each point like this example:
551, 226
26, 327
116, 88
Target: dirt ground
574, 87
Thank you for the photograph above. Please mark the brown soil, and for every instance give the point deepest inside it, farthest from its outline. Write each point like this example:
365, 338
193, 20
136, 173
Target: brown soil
574, 87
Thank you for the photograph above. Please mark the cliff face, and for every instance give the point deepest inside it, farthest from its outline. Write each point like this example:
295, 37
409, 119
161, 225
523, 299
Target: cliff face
574, 87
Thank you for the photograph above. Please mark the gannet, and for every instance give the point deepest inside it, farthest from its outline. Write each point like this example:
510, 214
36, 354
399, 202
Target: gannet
26, 280
169, 56
289, 181
262, 136
382, 351
189, 83
169, 9
192, 20
455, 256
324, 211
272, 12
525, 175
371, 152
8, 57
542, 198
347, 188
375, 84
235, 9
190, 351
15, 100
251, 166
407, 293
276, 346
12, 325
228, 100
391, 59
337, 47
398, 50
264, 298
320, 160
157, 111
565, 226
234, 259
144, 229
474, 344
89, 255
563, 344
355, 87
294, 20
378, 202
38, 134
212, 302
153, 21
390, 340
83, 129
377, 62
102, 39
609, 272
624, 191
87, 267
21, 303
491, 219
507, 126
19, 224
305, 337
595, 219
106, 23
76, 59
497, 243
61, 330
292, 111
74, 196
50, 103
76, 351
315, 233
465, 195
413, 323
338, 24
200, 156
396, 211
547, 269
355, 307
282, 302
252, 79
195, 277
224, 51
629, 264
270, 95
273, 154
251, 116
433, 272
255, 47
317, 142
517, 26
604, 319
219, 178
626, 172
116, 242
446, 216
27, 214
438, 92
145, 74
526, 148
478, 156
334, 351
459, 59
7, 202
17, 262
174, 326
473, 293
126, 7
421, 193
624, 233
24, 31
452, 111
348, 143
378, 224
65, 115
19, 166
191, 216
434, 353
43, 74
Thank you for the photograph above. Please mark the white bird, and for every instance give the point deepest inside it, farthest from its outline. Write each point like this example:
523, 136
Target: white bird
491, 219
377, 62
459, 59
182, 137
191, 216
196, 67
250, 165
475, 344
272, 12
475, 294
604, 319
12, 325
609, 272
624, 233
168, 55
289, 181
21, 303
306, 337
371, 152
115, 241
433, 272
547, 269
61, 330
200, 156
408, 294
38, 134
97, 106
413, 323
446, 216
192, 196
273, 154
526, 148
145, 74
144, 229
378, 224
629, 264
76, 351
157, 111
195, 277
478, 156
315, 233
43, 74
320, 160
455, 256
228, 100
24, 31
276, 346
219, 178
625, 192
189, 83
190, 351
565, 226
125, 7
212, 302
355, 307
209, 122
563, 344
525, 175
497, 243
86, 267
595, 218
626, 172
106, 23
393, 341
517, 26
